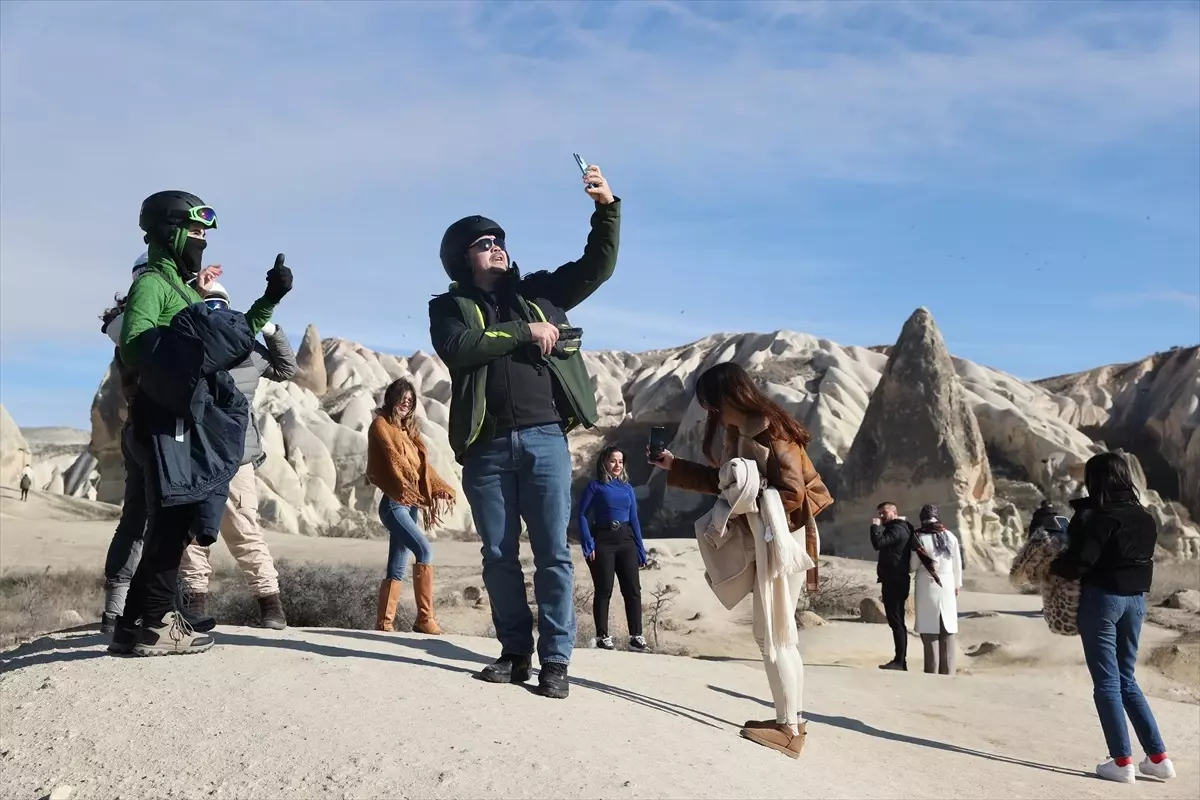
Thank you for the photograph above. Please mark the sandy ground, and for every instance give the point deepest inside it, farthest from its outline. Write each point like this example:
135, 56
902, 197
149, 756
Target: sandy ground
350, 714
396, 715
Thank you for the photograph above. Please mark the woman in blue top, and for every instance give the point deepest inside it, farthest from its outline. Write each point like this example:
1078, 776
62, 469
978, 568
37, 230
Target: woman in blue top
612, 544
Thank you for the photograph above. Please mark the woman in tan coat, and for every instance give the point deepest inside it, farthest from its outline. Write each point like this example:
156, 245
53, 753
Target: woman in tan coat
414, 499
757, 428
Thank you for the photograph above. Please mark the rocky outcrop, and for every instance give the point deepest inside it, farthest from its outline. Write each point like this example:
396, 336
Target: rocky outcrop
14, 450
919, 442
310, 362
1150, 408
1022, 448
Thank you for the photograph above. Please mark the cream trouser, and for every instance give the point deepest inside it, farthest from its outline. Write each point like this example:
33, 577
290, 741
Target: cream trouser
243, 537
786, 675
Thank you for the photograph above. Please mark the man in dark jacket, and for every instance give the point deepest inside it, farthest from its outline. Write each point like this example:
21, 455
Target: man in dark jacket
188, 418
239, 528
519, 385
892, 537
125, 548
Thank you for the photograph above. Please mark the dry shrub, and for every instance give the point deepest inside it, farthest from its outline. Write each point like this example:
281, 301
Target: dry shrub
33, 603
314, 596
837, 595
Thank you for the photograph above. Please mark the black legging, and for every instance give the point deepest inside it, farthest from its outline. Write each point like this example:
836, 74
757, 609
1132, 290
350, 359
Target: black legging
616, 554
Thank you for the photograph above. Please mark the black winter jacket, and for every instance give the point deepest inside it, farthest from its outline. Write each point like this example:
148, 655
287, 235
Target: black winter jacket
894, 541
188, 412
1111, 547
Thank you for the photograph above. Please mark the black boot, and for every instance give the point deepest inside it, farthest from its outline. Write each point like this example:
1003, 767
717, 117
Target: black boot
508, 668
271, 610
108, 624
553, 682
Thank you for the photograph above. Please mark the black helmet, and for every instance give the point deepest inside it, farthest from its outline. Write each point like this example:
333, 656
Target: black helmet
163, 214
458, 237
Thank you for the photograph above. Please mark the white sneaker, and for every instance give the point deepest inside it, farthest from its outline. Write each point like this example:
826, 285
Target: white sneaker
605, 643
1163, 770
638, 642
1111, 772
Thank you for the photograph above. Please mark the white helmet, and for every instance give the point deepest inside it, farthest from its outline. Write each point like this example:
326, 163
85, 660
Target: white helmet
217, 292
141, 263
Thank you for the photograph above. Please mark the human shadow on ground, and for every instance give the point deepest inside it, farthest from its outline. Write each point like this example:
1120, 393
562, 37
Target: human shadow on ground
440, 648
758, 661
246, 640
858, 726
51, 650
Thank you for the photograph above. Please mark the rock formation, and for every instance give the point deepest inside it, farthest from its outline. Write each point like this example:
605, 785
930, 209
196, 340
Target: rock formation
1009, 443
918, 443
1150, 408
310, 362
14, 450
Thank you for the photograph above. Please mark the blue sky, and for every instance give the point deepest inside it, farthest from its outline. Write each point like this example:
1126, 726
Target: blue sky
1029, 172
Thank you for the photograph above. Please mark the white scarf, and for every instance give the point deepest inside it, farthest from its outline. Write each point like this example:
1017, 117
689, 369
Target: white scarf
777, 554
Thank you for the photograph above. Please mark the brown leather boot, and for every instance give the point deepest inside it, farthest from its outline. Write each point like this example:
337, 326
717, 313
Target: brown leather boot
778, 737
423, 594
389, 598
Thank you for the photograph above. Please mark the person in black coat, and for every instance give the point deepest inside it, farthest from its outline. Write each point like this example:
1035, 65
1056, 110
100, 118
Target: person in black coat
1111, 553
892, 537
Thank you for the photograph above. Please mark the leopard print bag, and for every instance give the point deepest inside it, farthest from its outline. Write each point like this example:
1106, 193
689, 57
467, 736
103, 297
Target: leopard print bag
1060, 597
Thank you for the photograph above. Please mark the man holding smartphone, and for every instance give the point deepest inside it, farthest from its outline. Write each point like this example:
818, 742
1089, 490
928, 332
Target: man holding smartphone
516, 391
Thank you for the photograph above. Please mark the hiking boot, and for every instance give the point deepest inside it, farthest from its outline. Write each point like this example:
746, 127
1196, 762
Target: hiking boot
125, 636
553, 682
605, 643
172, 636
507, 669
895, 665
108, 624
271, 609
778, 737
195, 610
638, 643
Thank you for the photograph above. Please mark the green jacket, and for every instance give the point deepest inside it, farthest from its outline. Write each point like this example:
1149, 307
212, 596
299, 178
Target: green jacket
154, 302
467, 345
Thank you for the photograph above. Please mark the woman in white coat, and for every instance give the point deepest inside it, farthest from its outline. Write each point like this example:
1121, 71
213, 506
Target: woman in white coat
937, 591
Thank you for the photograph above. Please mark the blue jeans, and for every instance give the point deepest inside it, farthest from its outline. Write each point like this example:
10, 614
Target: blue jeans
404, 536
1109, 625
125, 549
525, 474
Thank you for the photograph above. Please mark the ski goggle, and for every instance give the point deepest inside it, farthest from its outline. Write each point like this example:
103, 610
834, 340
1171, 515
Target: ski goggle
217, 303
205, 215
487, 243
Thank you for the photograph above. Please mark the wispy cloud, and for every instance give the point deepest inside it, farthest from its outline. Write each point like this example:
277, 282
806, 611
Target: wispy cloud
1168, 298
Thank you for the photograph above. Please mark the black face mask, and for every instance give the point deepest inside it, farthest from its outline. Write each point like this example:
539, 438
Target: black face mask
190, 260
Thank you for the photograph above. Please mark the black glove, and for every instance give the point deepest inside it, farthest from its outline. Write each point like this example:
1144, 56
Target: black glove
279, 281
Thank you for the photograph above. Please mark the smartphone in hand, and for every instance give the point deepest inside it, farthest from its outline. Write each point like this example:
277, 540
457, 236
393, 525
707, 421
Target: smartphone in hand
582, 166
658, 441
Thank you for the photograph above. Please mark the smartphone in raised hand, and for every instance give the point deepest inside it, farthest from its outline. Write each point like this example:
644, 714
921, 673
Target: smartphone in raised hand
583, 167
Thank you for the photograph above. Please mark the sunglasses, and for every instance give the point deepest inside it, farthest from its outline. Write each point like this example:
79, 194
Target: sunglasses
487, 243
217, 304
